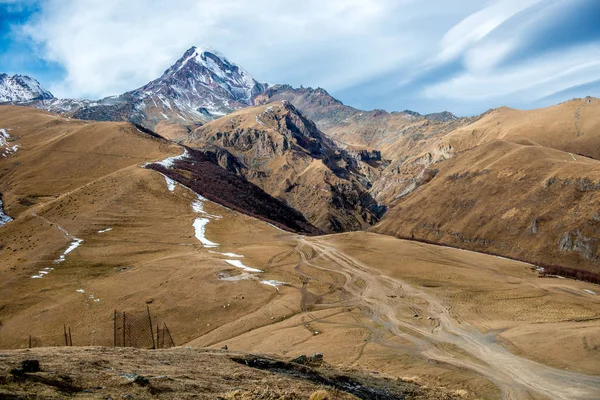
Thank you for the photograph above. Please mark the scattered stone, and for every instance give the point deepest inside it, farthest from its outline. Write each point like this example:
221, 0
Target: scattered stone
224, 348
301, 359
141, 380
316, 358
149, 301
128, 396
30, 366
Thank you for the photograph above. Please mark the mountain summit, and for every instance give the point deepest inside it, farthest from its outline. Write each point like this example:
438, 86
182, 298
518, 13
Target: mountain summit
21, 89
204, 79
201, 86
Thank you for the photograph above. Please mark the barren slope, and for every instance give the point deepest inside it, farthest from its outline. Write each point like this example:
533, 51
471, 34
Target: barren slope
530, 195
98, 236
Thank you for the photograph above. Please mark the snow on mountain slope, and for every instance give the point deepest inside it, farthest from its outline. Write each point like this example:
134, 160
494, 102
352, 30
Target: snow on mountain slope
21, 88
201, 84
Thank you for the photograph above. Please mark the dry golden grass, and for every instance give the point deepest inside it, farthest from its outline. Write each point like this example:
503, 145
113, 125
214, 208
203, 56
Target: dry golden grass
367, 301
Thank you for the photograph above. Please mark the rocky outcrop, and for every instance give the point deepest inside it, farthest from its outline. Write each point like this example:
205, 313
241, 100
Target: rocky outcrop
279, 149
575, 241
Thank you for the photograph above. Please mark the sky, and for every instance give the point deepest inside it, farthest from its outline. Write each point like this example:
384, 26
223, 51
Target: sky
464, 56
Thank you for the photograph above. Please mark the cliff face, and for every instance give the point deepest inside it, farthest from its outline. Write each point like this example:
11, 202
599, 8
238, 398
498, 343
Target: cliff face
284, 153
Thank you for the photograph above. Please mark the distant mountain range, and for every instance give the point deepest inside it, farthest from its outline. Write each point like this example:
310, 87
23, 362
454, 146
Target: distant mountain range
201, 86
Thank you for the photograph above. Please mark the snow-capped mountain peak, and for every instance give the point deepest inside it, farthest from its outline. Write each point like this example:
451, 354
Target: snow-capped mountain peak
21, 89
203, 82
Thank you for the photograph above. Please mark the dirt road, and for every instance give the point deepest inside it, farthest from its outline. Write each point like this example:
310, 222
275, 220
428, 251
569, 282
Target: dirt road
441, 336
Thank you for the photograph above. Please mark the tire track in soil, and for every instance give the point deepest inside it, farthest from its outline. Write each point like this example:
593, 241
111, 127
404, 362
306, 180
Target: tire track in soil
517, 377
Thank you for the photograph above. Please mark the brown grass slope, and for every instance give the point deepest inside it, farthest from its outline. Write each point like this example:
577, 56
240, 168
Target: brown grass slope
523, 201
573, 126
71, 179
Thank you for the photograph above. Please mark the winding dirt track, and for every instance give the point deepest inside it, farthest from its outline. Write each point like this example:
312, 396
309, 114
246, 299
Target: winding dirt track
446, 337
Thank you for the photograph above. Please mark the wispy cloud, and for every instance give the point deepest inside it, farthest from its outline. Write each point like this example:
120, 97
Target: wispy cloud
462, 55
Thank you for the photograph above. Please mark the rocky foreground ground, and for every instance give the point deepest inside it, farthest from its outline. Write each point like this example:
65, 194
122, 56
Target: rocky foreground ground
182, 373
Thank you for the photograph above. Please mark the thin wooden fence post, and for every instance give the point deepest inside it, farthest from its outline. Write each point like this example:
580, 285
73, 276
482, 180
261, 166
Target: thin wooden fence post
66, 338
70, 338
170, 337
115, 329
29, 341
157, 337
124, 329
151, 331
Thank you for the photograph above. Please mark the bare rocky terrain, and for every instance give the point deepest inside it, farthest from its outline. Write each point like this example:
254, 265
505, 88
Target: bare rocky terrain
186, 373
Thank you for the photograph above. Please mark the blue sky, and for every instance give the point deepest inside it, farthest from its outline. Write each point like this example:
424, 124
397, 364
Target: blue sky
464, 56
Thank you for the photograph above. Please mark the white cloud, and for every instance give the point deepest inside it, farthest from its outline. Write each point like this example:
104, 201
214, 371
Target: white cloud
478, 25
109, 46
526, 82
377, 49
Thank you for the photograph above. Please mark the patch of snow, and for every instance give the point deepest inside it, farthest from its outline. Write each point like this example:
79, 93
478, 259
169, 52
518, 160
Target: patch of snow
590, 291
36, 277
8, 150
4, 219
227, 254
170, 184
80, 291
74, 244
105, 230
200, 228
273, 283
242, 277
239, 264
259, 121
198, 207
168, 162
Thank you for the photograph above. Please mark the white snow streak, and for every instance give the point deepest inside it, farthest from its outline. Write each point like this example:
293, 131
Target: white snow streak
105, 230
198, 207
273, 283
200, 228
227, 254
589, 291
168, 162
74, 244
170, 184
239, 264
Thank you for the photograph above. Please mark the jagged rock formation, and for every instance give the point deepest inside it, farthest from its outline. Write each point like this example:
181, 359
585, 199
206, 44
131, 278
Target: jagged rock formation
276, 147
